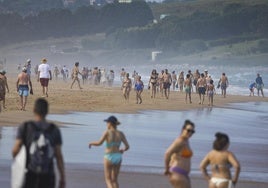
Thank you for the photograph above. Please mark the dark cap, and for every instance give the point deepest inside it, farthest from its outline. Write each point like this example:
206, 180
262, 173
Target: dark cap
113, 120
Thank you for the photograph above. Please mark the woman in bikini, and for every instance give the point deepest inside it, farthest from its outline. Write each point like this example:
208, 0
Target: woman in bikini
126, 87
113, 153
178, 158
153, 83
220, 160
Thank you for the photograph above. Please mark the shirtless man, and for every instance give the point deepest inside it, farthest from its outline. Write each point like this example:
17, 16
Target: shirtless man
196, 77
188, 87
161, 81
167, 80
75, 73
201, 86
3, 76
23, 83
223, 82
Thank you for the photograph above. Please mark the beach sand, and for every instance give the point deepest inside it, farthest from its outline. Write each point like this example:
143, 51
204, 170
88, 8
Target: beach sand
62, 99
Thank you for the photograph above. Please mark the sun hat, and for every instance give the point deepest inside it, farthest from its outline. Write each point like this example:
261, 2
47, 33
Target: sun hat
44, 60
28, 60
24, 69
113, 120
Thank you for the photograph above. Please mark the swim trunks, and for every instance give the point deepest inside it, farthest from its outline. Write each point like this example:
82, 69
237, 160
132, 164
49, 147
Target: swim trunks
44, 82
23, 90
166, 85
202, 90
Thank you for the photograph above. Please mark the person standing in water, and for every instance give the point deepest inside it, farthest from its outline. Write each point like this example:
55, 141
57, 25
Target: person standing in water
224, 83
259, 85
113, 152
178, 158
221, 160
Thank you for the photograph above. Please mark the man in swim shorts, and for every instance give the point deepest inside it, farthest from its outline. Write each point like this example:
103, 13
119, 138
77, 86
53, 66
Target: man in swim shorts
167, 83
23, 83
201, 86
223, 82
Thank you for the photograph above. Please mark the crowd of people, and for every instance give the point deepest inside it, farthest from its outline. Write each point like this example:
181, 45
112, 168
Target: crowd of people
160, 83
178, 155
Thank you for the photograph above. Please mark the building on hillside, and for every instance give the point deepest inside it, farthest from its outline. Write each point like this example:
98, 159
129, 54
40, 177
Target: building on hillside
124, 1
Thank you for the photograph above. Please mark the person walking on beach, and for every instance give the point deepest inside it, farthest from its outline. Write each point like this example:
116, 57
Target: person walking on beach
40, 160
3, 76
138, 88
74, 74
174, 80
201, 86
220, 160
167, 80
126, 87
153, 83
24, 87
188, 88
28, 67
113, 152
2, 90
223, 82
123, 75
196, 77
178, 158
44, 75
161, 82
181, 80
211, 91
259, 85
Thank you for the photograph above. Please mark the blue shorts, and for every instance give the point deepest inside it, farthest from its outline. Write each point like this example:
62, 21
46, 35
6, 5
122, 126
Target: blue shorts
202, 90
114, 158
23, 90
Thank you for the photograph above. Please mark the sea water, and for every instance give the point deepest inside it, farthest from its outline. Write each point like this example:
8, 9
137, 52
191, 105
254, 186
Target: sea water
151, 132
240, 73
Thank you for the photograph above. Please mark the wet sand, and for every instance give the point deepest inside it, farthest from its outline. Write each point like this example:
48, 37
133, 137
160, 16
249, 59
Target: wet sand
62, 99
86, 176
104, 99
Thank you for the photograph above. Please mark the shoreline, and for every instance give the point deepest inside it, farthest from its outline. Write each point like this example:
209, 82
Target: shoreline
64, 100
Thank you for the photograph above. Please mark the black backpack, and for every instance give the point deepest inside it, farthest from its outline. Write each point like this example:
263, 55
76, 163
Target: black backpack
40, 151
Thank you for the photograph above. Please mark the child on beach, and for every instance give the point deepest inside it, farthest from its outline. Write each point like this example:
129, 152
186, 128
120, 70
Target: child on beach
251, 88
139, 88
211, 91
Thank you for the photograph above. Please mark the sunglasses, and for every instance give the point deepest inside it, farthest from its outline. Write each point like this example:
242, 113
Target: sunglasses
190, 131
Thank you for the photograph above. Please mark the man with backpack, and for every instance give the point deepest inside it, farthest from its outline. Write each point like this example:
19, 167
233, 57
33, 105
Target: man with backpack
43, 144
